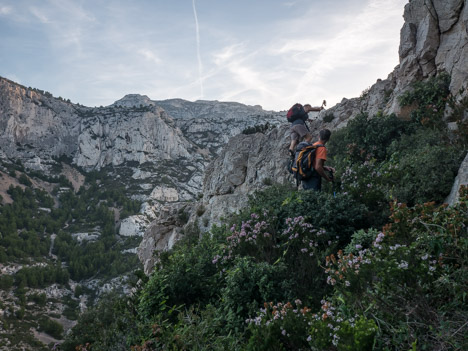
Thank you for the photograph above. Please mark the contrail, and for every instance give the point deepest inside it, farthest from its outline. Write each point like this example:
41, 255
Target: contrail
200, 68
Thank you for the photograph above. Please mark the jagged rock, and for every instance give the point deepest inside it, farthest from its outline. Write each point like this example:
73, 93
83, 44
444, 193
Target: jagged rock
164, 194
247, 163
204, 122
80, 237
461, 179
133, 226
118, 136
163, 232
31, 121
433, 39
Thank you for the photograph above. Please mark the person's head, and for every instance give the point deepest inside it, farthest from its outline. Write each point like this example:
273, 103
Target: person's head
307, 108
325, 135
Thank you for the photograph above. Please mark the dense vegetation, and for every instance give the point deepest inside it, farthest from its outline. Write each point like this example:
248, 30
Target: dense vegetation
38, 247
26, 225
374, 262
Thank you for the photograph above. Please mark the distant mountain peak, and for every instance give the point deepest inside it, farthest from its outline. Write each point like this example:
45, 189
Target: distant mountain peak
134, 100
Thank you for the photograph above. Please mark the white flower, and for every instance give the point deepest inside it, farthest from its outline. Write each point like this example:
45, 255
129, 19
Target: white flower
403, 265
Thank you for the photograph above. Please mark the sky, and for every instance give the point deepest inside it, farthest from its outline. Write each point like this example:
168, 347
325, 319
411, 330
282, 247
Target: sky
272, 53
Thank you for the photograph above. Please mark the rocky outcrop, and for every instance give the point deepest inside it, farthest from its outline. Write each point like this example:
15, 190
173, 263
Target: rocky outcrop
434, 39
168, 226
113, 136
248, 163
33, 124
204, 122
461, 179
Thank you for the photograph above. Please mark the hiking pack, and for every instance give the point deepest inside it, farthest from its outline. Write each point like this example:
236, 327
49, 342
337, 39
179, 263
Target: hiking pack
295, 112
302, 166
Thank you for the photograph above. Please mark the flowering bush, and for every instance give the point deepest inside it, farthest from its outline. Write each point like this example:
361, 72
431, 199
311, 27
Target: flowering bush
280, 326
365, 181
293, 253
292, 326
430, 98
258, 239
334, 328
412, 279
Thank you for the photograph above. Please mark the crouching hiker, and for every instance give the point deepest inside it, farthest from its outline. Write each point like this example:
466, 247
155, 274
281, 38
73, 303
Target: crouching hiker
309, 162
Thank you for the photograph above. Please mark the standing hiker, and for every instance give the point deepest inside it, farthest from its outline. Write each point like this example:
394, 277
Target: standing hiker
298, 115
312, 178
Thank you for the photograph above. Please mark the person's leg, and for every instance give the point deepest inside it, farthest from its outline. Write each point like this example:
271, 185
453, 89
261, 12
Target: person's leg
294, 142
298, 132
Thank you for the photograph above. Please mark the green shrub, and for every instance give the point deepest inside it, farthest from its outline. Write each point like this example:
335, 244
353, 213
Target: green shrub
339, 215
280, 326
6, 281
365, 138
331, 330
109, 325
430, 97
193, 330
299, 246
39, 299
24, 179
248, 285
361, 240
423, 167
412, 277
185, 275
328, 117
51, 327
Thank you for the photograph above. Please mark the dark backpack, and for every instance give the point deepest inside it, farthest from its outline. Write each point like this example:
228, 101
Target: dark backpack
303, 164
295, 112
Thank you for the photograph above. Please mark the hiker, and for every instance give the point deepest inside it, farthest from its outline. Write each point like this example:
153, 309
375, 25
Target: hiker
300, 114
315, 181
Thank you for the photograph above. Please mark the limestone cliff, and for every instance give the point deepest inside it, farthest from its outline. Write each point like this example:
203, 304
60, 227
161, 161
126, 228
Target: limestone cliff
172, 139
433, 39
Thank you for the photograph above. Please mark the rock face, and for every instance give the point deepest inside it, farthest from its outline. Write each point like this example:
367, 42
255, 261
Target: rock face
247, 164
205, 122
433, 39
159, 146
461, 179
31, 121
114, 136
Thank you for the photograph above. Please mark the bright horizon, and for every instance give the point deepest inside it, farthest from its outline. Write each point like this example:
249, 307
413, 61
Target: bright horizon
269, 53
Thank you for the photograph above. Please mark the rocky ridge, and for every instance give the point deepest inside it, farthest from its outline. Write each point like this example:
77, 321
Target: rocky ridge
433, 39
144, 144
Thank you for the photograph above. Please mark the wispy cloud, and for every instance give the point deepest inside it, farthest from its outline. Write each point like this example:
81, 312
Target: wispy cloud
300, 50
197, 32
5, 10
151, 56
289, 3
314, 61
40, 15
